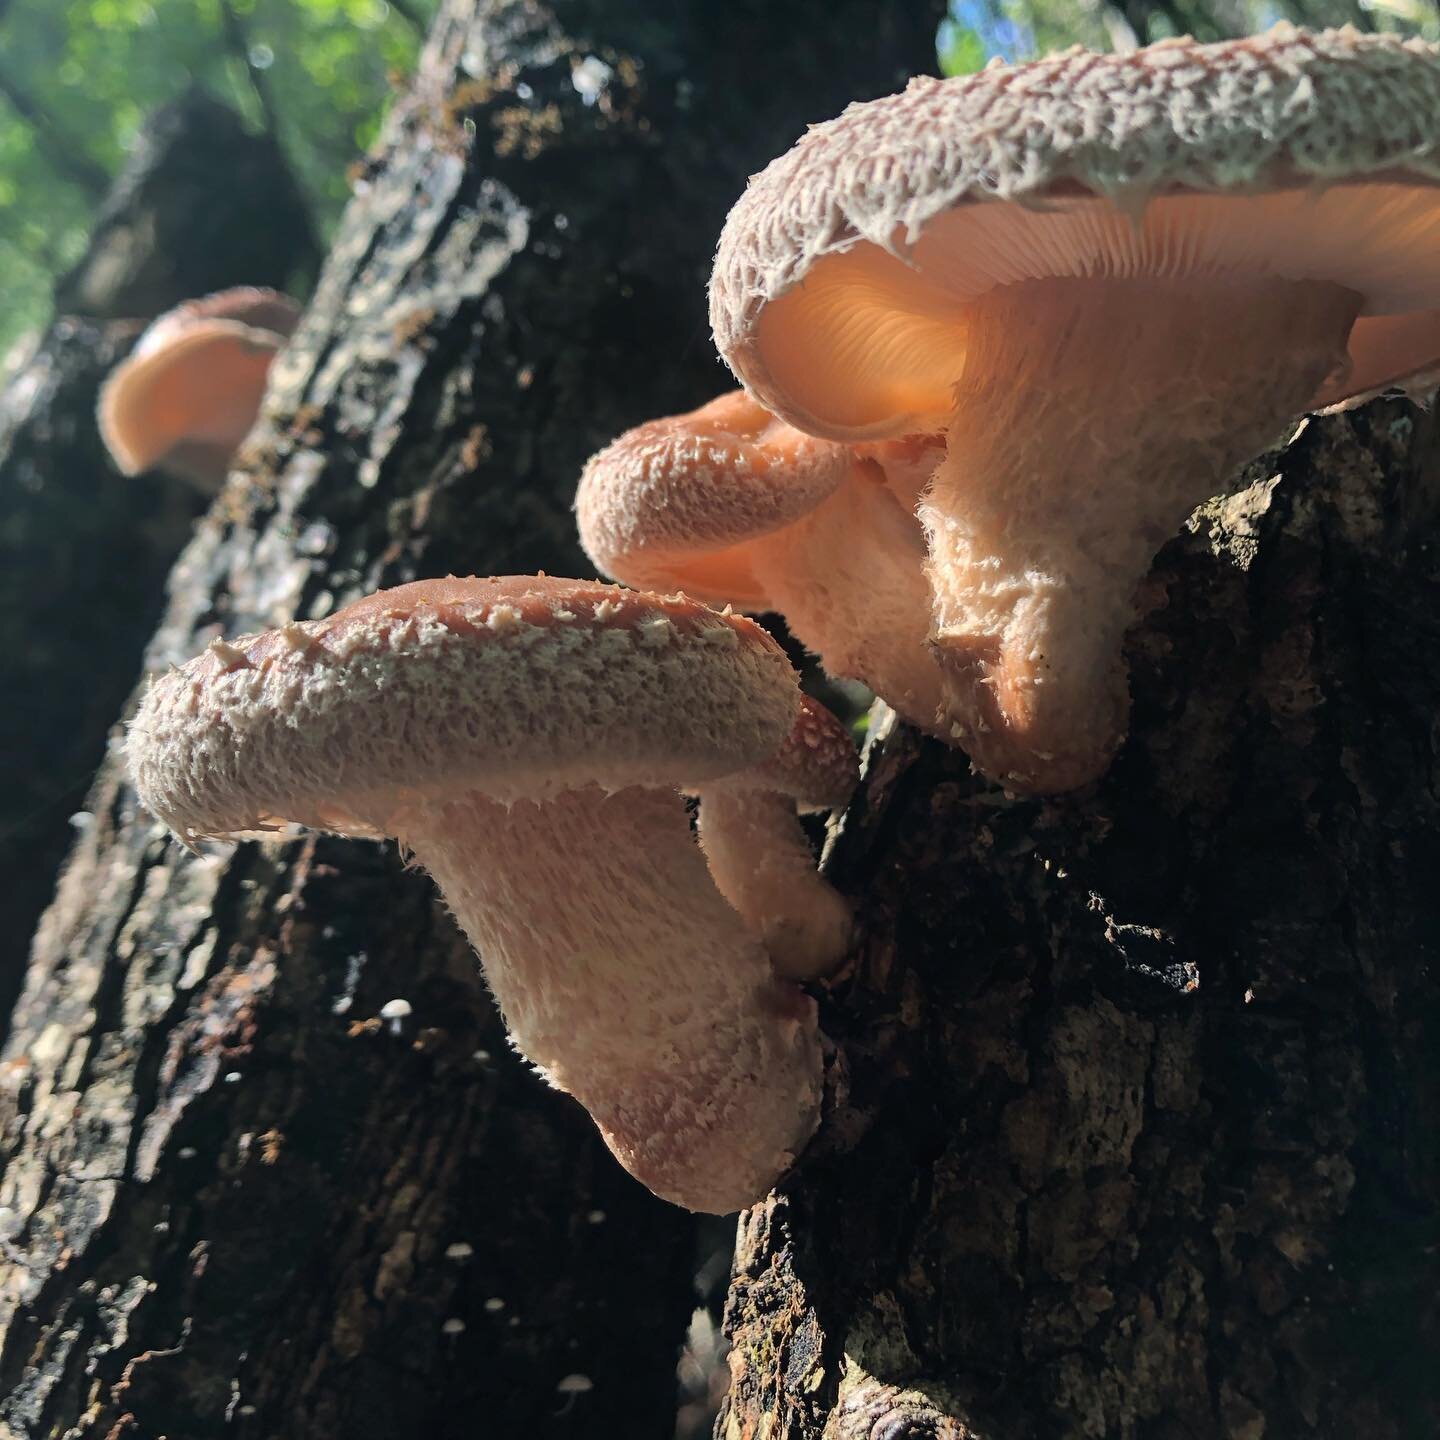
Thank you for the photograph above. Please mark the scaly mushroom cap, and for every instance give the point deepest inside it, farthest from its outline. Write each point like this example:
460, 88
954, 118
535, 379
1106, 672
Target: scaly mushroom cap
1291, 155
1111, 279
509, 687
816, 767
677, 501
189, 392
525, 738
739, 508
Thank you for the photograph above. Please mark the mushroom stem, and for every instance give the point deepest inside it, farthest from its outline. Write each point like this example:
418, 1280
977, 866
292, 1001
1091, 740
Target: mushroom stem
1090, 419
849, 580
761, 862
628, 980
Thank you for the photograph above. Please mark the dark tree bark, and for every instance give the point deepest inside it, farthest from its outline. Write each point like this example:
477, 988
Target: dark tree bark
200, 202
234, 1201
83, 551
1136, 1124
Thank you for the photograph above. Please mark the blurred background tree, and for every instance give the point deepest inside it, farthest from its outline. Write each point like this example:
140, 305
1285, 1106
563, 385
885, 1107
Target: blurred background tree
77, 77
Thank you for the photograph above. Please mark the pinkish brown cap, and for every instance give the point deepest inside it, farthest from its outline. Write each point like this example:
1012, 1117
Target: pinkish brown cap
815, 769
512, 686
189, 392
737, 507
680, 501
251, 305
1299, 156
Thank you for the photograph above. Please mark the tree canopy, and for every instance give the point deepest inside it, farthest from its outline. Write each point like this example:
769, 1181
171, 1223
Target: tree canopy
78, 76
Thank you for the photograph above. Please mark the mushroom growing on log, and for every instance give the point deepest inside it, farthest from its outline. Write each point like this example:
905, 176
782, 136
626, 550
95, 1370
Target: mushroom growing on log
189, 392
527, 739
1109, 279
737, 507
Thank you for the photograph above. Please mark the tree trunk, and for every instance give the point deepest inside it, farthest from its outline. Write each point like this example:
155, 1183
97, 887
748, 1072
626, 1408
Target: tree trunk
235, 1200
84, 551
201, 204
1135, 1126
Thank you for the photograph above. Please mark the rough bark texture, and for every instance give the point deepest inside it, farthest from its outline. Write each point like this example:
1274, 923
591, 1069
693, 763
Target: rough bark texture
1136, 1126
84, 551
235, 1202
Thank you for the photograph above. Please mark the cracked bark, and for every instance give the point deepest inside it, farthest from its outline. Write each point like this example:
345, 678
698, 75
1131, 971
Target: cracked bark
234, 1201
1136, 1128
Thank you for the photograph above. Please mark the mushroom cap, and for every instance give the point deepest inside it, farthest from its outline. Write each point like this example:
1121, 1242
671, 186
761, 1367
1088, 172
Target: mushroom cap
251, 305
1306, 156
816, 767
195, 378
516, 686
676, 501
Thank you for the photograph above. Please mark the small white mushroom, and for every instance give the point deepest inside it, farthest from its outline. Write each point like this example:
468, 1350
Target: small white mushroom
572, 1387
395, 1013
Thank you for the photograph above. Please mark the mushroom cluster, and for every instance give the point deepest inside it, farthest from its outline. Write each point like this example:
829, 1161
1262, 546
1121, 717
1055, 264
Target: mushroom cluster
1107, 281
528, 739
737, 507
188, 393
999, 335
